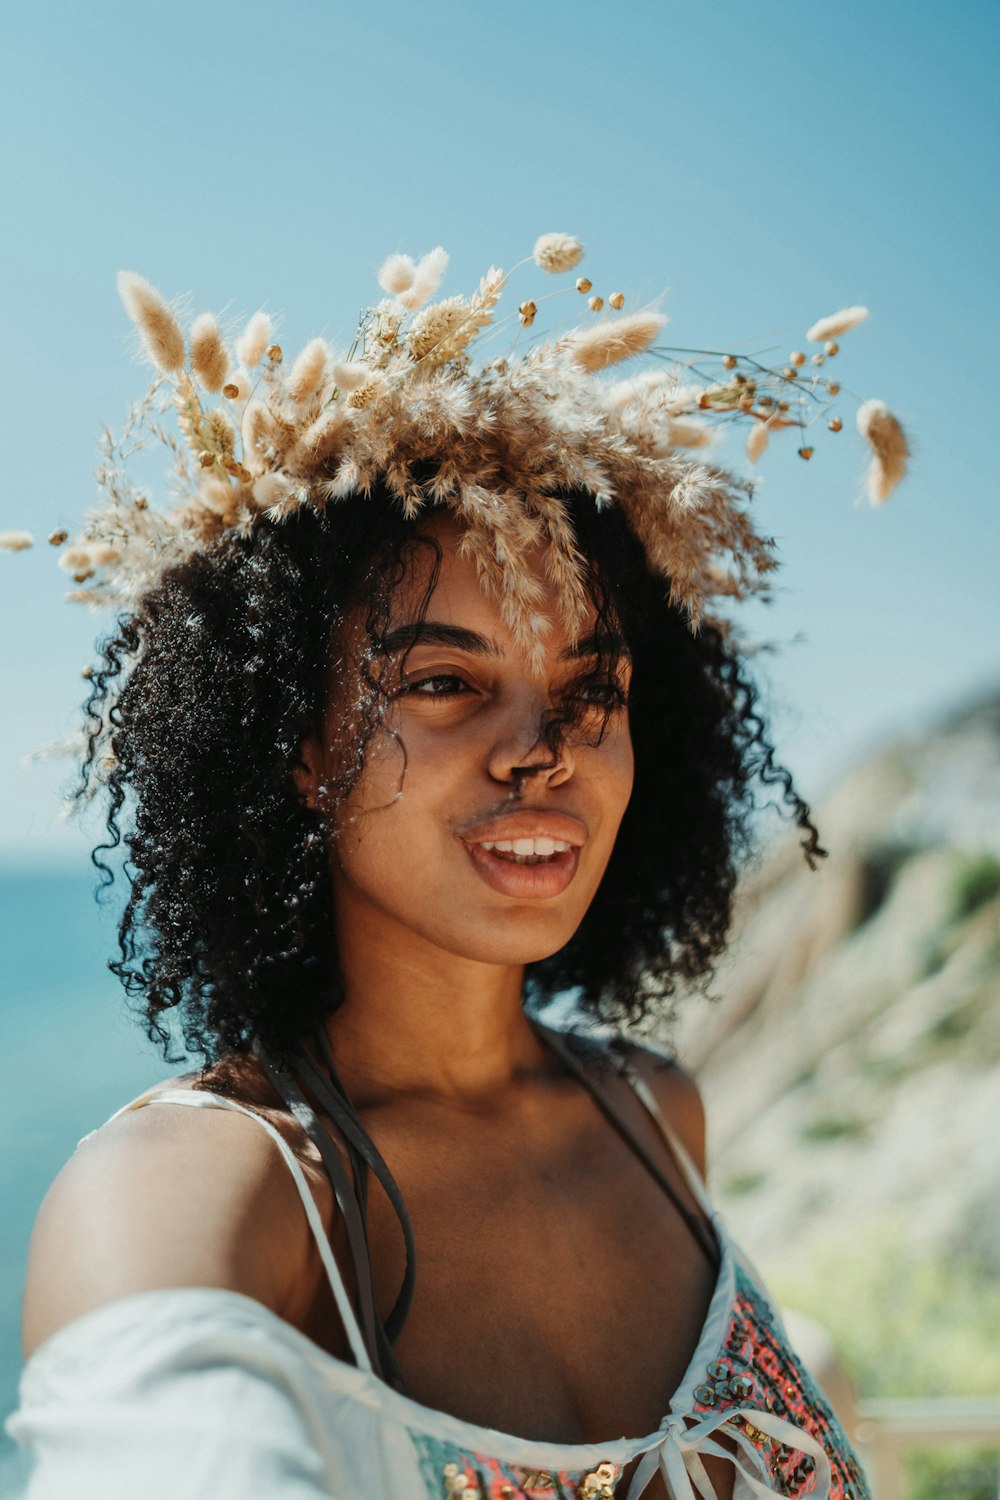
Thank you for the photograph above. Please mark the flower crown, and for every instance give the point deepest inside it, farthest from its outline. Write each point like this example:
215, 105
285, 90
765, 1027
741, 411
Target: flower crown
499, 443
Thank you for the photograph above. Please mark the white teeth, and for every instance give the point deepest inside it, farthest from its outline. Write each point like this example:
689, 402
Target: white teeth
541, 846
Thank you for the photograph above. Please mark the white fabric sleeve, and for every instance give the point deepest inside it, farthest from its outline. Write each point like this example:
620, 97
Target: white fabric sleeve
155, 1401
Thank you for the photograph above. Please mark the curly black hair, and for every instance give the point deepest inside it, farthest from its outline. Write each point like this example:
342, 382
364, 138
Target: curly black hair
212, 683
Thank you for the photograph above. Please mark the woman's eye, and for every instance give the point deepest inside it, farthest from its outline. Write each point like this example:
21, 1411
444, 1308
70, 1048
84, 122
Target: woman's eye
605, 694
444, 685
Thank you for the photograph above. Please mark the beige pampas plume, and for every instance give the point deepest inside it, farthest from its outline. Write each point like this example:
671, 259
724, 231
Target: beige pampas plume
836, 324
557, 252
78, 560
209, 355
16, 541
351, 374
309, 370
364, 395
434, 327
322, 438
615, 339
426, 278
757, 439
690, 433
271, 489
396, 274
659, 389
890, 450
160, 333
217, 495
252, 344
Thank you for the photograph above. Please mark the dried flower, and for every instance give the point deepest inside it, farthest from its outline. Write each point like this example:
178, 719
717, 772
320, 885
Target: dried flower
396, 274
209, 355
432, 328
238, 386
757, 439
271, 489
836, 324
500, 446
217, 495
321, 438
159, 331
610, 341
309, 370
690, 433
16, 541
78, 561
890, 450
251, 346
557, 252
364, 395
349, 375
426, 279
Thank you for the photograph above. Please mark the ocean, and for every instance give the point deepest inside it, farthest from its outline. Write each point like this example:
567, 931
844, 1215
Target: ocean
69, 1056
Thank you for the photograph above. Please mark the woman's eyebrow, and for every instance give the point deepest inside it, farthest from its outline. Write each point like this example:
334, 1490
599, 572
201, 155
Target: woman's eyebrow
438, 633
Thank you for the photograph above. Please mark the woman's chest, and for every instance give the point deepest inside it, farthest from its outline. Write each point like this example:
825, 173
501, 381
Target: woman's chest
556, 1298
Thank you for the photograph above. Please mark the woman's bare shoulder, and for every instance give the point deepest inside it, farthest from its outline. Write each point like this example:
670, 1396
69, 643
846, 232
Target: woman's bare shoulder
170, 1196
677, 1095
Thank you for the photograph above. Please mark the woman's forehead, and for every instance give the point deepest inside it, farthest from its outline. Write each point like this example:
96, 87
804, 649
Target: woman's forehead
460, 598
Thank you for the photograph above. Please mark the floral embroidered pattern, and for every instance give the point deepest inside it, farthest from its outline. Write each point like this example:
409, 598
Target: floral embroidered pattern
452, 1473
757, 1368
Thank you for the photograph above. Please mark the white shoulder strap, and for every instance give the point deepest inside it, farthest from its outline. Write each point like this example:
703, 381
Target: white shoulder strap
202, 1098
688, 1170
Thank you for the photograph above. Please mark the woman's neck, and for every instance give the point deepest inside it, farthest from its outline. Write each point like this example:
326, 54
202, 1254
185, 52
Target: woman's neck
417, 1019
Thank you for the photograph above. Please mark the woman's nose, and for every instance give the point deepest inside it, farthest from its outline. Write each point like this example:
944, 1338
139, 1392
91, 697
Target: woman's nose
527, 743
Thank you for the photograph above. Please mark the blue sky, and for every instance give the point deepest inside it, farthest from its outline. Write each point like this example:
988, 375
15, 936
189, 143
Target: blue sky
756, 167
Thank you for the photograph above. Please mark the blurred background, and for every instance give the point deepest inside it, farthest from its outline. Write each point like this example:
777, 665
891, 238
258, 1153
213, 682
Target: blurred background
754, 170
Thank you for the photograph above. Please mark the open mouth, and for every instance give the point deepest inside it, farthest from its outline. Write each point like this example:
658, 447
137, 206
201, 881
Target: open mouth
544, 868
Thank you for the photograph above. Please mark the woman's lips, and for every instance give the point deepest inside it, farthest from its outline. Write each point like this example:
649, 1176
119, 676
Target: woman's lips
548, 878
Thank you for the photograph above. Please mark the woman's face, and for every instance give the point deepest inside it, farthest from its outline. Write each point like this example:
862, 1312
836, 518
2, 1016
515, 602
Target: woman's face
413, 848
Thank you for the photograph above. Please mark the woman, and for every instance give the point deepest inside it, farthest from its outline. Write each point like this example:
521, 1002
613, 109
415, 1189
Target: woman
404, 731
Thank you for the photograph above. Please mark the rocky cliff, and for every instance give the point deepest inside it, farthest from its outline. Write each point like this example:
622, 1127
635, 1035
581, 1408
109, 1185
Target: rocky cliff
851, 1065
